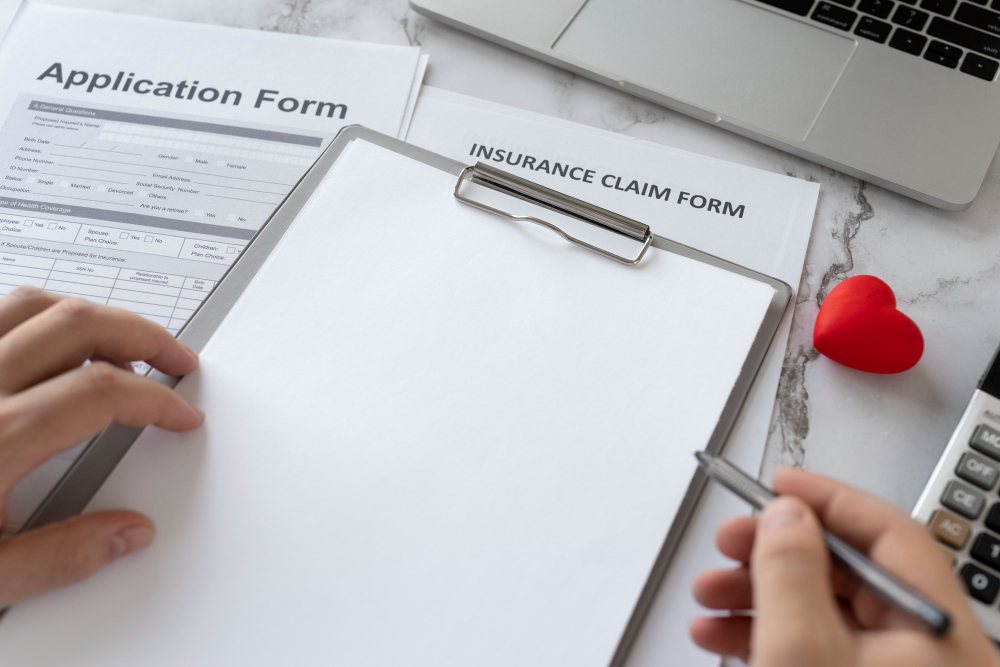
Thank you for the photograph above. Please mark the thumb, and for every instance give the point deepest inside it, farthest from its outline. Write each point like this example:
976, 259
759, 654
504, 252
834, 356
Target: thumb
798, 621
65, 552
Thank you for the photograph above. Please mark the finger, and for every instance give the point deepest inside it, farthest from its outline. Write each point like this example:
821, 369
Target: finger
902, 648
69, 551
734, 538
59, 413
797, 616
723, 589
845, 586
853, 515
887, 535
21, 304
726, 635
72, 331
124, 365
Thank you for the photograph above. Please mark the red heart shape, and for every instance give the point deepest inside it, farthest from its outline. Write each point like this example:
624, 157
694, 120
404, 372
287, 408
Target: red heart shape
858, 326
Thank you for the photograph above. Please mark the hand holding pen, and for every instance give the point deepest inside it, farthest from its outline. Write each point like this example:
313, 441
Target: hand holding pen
806, 612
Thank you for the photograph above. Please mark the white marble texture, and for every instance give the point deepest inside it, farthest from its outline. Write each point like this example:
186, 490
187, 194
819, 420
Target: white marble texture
882, 433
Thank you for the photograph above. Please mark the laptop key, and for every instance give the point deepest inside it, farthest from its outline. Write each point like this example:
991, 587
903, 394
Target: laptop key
942, 54
835, 16
911, 42
879, 8
978, 17
984, 68
846, 3
981, 584
945, 7
800, 7
910, 18
989, 45
873, 29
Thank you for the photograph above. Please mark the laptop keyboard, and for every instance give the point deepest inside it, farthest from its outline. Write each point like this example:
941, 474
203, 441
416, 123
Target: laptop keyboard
949, 33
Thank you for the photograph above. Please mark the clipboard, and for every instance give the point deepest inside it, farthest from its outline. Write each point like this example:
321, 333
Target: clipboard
82, 481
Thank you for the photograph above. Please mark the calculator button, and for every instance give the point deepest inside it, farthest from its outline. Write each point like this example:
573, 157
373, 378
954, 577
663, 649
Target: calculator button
993, 518
987, 441
950, 529
986, 549
978, 470
981, 584
963, 499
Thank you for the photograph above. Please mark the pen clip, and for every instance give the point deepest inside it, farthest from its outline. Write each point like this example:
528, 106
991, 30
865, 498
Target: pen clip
496, 179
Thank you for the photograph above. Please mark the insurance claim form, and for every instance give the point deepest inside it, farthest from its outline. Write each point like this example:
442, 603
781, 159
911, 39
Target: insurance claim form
139, 156
755, 218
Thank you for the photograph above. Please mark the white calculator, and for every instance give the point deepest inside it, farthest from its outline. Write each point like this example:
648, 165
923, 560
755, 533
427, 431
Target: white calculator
961, 505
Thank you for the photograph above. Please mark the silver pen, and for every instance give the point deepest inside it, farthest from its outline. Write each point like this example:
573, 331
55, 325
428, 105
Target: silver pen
884, 585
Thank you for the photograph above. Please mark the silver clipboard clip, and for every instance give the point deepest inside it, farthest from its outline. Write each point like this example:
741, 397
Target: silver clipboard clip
496, 179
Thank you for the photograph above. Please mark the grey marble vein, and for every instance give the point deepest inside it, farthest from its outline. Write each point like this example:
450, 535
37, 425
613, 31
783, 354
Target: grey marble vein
844, 238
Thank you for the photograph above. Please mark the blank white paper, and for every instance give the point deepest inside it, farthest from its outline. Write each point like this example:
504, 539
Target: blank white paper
771, 237
434, 437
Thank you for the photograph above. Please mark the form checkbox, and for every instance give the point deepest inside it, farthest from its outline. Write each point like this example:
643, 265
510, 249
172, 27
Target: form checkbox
53, 225
64, 184
231, 250
199, 213
31, 179
140, 193
102, 188
231, 217
220, 163
149, 238
29, 223
189, 159
124, 235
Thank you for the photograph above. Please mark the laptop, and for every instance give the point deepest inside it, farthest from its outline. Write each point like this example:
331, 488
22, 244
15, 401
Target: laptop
900, 93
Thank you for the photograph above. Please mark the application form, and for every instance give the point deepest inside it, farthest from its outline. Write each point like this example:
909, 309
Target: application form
139, 156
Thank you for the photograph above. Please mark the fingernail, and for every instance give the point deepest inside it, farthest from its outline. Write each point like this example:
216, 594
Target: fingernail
780, 513
194, 355
129, 540
197, 411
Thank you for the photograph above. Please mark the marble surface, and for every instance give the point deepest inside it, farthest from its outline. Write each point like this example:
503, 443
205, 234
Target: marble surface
882, 433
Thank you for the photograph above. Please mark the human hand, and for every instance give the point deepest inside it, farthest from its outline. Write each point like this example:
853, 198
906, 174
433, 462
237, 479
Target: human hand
807, 613
50, 401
